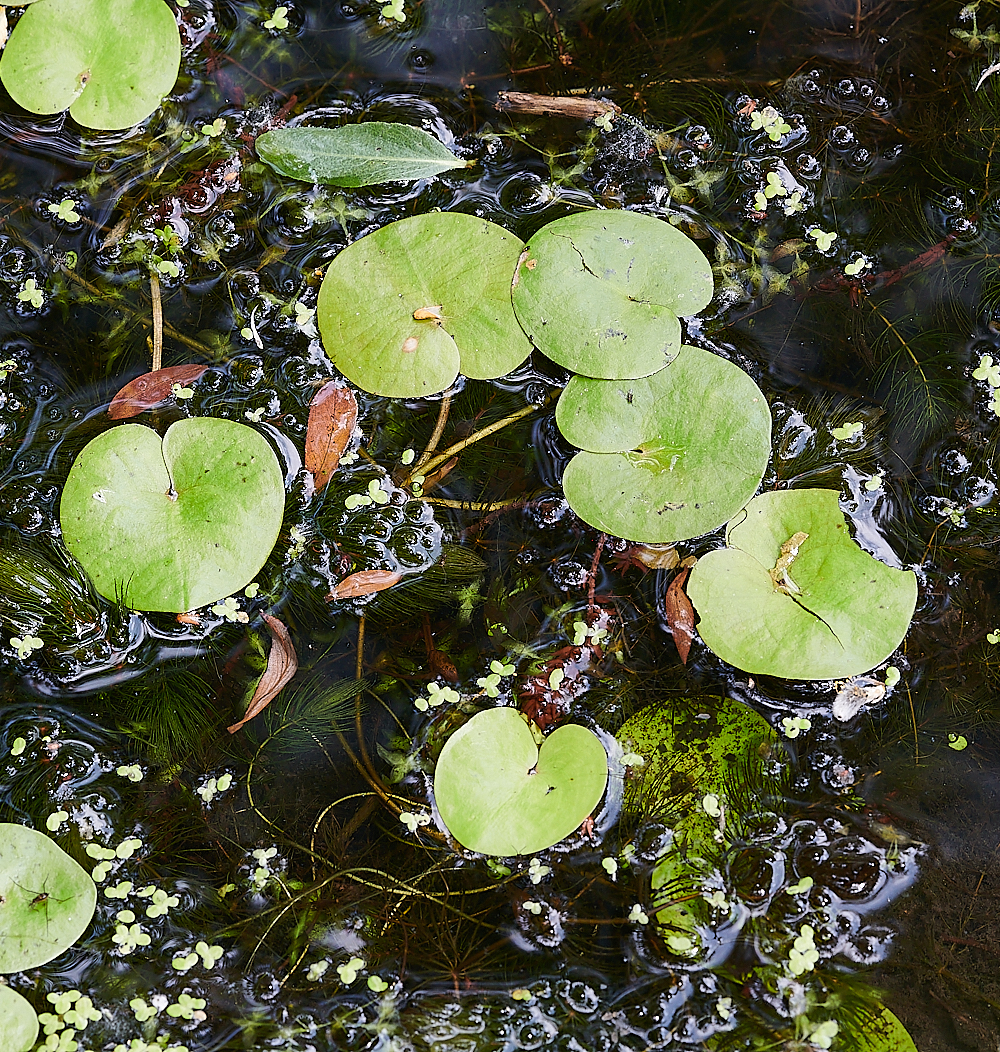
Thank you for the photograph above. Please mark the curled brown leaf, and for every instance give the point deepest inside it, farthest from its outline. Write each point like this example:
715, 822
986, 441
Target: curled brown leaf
151, 389
333, 415
679, 612
364, 582
282, 664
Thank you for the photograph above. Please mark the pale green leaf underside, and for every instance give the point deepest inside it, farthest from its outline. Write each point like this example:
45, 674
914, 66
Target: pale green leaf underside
446, 260
46, 899
851, 610
501, 795
600, 292
356, 154
109, 62
668, 456
20, 1024
120, 519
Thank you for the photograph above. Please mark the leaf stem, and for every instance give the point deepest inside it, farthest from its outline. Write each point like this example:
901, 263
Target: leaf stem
154, 295
435, 435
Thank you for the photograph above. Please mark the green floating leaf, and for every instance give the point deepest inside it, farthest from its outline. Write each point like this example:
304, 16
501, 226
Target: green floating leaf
356, 154
692, 749
46, 899
668, 456
794, 596
20, 1024
884, 1033
600, 292
176, 523
109, 62
404, 309
500, 794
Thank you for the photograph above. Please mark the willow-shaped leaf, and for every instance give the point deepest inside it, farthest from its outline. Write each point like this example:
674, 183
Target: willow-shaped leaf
356, 154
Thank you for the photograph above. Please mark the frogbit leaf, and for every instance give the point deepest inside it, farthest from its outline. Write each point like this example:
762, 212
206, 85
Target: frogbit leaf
109, 62
20, 1024
403, 309
46, 899
151, 389
668, 456
356, 154
500, 794
282, 664
333, 415
600, 292
793, 595
883, 1033
177, 522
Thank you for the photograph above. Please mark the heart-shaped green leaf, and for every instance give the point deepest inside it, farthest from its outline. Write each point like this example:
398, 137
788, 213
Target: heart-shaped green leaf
600, 292
885, 1033
109, 62
404, 309
793, 595
46, 899
20, 1024
356, 154
692, 750
668, 456
176, 523
500, 794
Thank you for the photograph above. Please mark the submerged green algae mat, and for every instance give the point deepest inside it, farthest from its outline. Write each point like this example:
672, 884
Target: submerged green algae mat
266, 887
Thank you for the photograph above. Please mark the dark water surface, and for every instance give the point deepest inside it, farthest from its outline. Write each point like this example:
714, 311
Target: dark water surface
303, 863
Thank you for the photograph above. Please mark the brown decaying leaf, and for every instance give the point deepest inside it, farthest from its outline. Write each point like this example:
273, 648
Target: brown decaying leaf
679, 613
333, 414
282, 664
151, 389
364, 582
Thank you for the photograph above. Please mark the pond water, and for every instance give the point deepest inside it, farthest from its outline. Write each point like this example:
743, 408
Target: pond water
282, 843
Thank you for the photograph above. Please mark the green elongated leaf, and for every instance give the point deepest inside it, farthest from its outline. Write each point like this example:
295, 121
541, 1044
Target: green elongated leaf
600, 292
19, 1023
356, 154
404, 309
46, 899
668, 456
175, 523
500, 794
109, 62
793, 595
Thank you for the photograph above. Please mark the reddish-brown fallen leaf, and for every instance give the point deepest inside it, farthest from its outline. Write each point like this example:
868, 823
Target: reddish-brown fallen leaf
151, 389
679, 612
282, 664
364, 582
333, 414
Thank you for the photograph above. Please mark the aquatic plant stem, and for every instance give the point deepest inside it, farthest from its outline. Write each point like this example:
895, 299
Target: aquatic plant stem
592, 576
432, 443
478, 436
157, 302
195, 345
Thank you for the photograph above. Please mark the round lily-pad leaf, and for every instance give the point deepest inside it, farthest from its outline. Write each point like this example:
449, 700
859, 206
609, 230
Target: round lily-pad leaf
406, 308
177, 522
20, 1024
794, 596
46, 899
600, 292
500, 794
109, 62
668, 456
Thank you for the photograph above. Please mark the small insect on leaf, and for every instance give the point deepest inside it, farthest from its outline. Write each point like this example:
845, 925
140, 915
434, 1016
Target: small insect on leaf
428, 314
282, 664
151, 389
333, 415
364, 582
